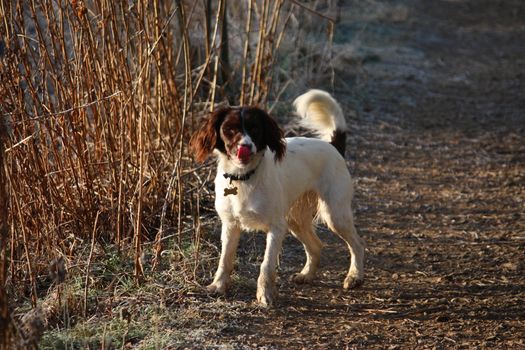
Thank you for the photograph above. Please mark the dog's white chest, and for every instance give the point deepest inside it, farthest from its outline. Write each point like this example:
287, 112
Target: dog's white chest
251, 212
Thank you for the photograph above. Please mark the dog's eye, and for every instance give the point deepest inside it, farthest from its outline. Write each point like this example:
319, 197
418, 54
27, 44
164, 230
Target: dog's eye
253, 130
227, 131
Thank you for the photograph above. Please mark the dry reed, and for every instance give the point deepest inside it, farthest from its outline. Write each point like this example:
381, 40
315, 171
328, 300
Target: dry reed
99, 98
7, 332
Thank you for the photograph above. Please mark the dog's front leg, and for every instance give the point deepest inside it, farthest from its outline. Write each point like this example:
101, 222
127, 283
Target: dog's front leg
266, 289
230, 234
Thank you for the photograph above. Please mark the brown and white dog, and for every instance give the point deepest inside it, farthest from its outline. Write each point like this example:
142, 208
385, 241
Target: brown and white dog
268, 183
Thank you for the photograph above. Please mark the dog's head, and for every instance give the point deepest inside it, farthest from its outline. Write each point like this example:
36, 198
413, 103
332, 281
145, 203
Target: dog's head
238, 133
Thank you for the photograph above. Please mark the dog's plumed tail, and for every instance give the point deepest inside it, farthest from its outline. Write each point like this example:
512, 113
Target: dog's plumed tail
322, 114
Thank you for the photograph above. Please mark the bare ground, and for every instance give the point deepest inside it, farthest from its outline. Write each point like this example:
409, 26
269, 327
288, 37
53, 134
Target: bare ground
437, 151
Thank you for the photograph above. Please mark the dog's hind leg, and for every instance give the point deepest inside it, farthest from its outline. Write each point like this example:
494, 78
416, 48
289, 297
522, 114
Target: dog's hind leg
300, 220
338, 216
312, 247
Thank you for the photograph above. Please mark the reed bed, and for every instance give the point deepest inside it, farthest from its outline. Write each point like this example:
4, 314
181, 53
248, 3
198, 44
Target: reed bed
98, 99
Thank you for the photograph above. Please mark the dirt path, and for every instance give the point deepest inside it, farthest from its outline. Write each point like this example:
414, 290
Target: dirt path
438, 154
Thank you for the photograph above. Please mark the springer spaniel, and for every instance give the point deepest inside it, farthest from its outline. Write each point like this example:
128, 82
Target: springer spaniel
268, 183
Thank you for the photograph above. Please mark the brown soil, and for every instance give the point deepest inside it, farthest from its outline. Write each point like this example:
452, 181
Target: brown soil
437, 151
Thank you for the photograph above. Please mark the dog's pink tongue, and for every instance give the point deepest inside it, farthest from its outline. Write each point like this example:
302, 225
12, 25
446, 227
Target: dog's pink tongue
244, 153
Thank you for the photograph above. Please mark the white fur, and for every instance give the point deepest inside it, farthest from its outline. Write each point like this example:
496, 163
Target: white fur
320, 112
311, 180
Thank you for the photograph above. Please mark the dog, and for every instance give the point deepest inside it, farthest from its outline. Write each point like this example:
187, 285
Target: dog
269, 183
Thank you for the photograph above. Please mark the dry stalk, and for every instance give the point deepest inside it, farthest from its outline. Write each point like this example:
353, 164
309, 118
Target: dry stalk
157, 246
6, 324
246, 53
88, 267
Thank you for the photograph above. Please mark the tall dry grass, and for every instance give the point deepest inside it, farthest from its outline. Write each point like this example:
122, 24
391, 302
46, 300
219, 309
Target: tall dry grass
7, 331
99, 98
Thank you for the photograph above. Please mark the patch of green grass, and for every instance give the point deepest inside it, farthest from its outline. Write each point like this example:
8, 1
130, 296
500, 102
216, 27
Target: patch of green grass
122, 312
110, 333
147, 327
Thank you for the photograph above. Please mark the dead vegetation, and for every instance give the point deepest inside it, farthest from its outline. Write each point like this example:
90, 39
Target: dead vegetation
98, 99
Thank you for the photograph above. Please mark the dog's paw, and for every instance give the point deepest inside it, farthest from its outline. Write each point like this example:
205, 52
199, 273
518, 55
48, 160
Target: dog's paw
352, 282
301, 278
266, 296
217, 287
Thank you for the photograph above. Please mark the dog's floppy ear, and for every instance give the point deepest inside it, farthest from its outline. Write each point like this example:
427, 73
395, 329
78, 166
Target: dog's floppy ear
274, 136
206, 138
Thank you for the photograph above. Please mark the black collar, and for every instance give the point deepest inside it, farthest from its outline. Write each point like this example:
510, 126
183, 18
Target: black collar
243, 177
